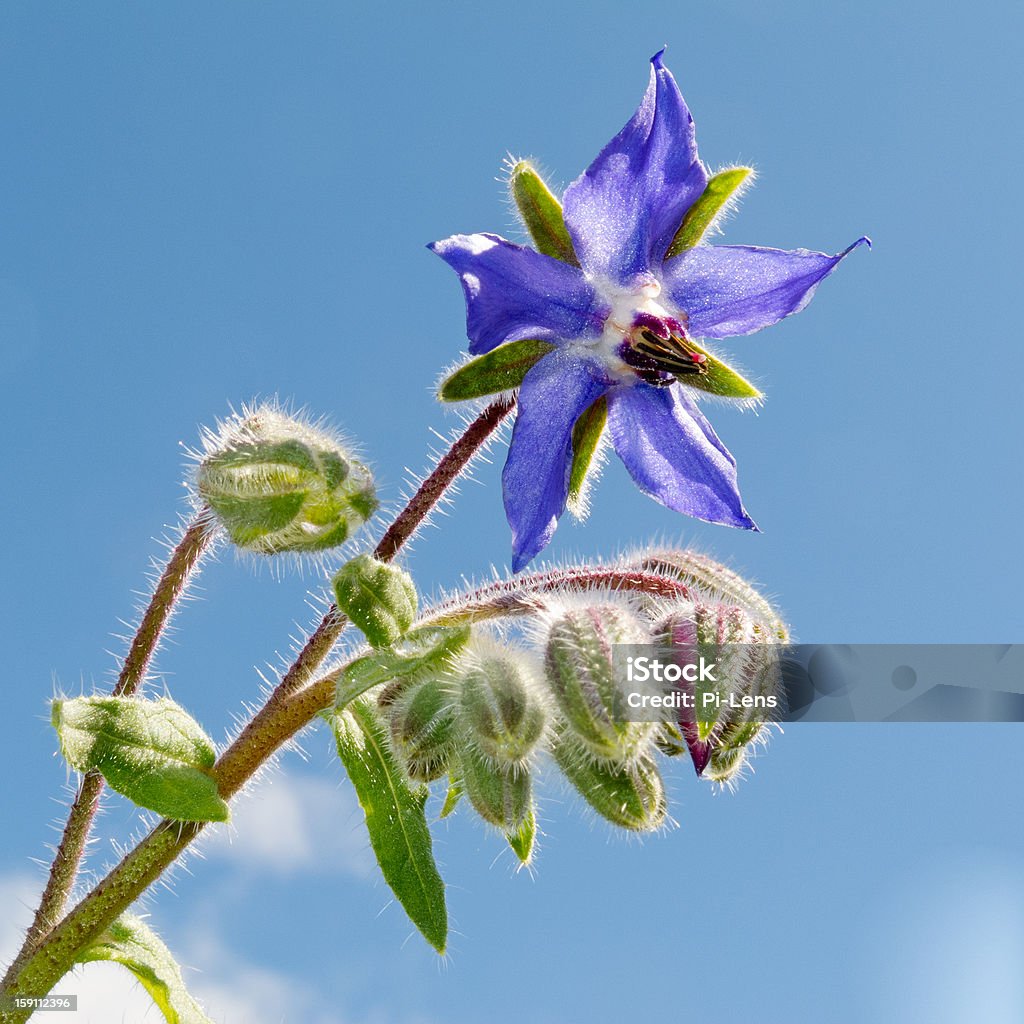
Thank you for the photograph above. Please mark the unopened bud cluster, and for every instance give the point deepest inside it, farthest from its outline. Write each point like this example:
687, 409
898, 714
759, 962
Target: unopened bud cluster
482, 714
278, 484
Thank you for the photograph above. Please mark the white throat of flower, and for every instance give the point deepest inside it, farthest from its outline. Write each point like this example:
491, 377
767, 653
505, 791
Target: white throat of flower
642, 339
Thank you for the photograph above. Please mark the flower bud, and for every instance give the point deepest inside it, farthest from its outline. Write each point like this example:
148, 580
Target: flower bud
423, 729
379, 598
500, 710
578, 660
502, 795
726, 715
711, 581
276, 484
631, 796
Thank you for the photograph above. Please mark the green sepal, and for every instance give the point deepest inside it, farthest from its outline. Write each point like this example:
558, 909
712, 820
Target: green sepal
422, 725
670, 741
523, 838
503, 797
586, 437
700, 218
379, 598
425, 651
129, 942
541, 213
501, 369
452, 797
719, 378
395, 817
630, 795
151, 751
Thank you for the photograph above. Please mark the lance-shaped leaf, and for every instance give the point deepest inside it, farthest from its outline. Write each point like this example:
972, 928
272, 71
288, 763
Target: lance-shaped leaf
425, 651
151, 751
586, 438
721, 189
395, 818
379, 598
129, 942
541, 213
499, 370
719, 378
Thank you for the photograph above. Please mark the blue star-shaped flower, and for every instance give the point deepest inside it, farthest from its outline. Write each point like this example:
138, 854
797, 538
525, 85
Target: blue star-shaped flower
623, 323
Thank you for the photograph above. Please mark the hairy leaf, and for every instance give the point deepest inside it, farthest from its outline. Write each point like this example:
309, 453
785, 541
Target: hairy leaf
395, 818
131, 943
151, 751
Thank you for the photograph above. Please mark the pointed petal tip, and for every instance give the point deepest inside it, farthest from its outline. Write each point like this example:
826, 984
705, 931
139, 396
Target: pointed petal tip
520, 560
657, 61
863, 240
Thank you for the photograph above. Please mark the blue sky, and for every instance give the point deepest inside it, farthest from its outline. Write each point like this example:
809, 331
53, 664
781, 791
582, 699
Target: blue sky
209, 203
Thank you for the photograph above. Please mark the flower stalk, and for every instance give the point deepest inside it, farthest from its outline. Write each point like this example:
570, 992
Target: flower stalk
50, 949
180, 569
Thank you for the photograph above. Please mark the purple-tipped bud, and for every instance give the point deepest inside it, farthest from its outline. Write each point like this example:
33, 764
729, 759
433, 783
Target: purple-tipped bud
727, 715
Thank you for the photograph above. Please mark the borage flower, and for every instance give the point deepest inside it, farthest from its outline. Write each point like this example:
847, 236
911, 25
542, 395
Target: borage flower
621, 298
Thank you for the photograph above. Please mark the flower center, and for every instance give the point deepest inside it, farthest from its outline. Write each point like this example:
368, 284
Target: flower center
643, 340
659, 349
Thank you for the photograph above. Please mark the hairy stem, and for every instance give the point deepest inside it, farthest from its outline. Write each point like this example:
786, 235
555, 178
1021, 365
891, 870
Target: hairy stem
180, 568
288, 710
406, 523
268, 731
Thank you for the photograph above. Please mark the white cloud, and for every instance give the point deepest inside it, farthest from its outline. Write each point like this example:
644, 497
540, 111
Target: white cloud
292, 823
107, 993
231, 990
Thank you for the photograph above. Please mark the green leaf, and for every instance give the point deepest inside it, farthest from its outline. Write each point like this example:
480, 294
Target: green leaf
395, 818
379, 598
586, 436
424, 651
719, 378
501, 369
700, 218
151, 751
541, 213
132, 944
523, 838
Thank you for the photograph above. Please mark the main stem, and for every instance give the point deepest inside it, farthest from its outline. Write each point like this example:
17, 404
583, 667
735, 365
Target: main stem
288, 709
68, 856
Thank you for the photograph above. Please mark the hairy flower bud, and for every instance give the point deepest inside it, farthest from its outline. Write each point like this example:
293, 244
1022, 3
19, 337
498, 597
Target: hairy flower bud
500, 709
423, 729
728, 714
578, 660
277, 484
631, 796
501, 794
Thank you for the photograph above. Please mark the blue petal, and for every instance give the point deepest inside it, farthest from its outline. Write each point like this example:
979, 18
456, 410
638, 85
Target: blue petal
624, 210
535, 481
673, 454
727, 290
513, 293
